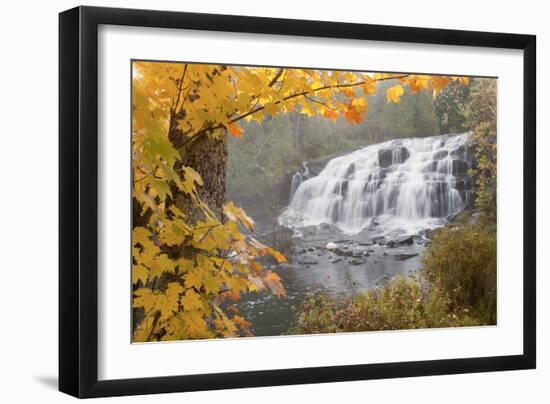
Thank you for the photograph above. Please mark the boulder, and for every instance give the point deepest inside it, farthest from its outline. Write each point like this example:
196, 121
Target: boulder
308, 262
440, 155
403, 154
426, 233
403, 257
343, 253
399, 241
309, 230
328, 228
464, 184
460, 185
430, 167
331, 246
458, 153
350, 170
366, 231
385, 156
344, 188
459, 168
452, 217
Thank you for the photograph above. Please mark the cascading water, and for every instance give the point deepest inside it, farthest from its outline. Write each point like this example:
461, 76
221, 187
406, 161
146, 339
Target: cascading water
407, 184
298, 178
296, 181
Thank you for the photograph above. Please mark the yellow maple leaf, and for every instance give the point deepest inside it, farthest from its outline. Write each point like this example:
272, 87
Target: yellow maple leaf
143, 330
139, 273
370, 86
145, 298
185, 265
193, 279
191, 175
168, 302
393, 94
191, 301
235, 214
276, 254
211, 283
161, 264
418, 83
172, 234
271, 108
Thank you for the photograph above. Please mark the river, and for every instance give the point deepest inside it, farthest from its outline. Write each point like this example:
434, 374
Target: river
365, 217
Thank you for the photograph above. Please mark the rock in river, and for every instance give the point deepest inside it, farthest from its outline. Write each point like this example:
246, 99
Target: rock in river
343, 253
399, 241
387, 157
308, 262
403, 257
331, 246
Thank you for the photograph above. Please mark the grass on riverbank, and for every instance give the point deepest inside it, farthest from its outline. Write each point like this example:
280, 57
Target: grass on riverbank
457, 287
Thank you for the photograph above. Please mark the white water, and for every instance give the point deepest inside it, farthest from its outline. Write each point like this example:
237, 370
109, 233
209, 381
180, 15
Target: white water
298, 178
406, 184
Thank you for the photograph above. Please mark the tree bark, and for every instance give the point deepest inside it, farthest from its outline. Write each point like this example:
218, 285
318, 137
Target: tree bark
209, 158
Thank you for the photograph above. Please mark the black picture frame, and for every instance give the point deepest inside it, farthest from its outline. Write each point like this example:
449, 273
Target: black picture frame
78, 201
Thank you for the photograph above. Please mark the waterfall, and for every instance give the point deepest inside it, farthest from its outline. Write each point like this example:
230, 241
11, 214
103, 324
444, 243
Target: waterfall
298, 178
295, 183
414, 182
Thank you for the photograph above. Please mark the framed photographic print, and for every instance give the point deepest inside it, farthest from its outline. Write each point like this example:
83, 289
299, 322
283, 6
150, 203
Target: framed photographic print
250, 201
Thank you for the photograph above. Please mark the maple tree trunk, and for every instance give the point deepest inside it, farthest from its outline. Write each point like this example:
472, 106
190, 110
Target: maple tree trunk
209, 158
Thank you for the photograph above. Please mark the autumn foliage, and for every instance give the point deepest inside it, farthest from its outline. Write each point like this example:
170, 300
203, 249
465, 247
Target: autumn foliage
187, 269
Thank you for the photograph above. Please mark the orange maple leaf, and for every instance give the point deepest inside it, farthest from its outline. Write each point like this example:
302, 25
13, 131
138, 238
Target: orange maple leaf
235, 129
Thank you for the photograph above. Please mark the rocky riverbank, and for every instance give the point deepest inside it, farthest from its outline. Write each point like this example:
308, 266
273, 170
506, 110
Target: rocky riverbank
324, 259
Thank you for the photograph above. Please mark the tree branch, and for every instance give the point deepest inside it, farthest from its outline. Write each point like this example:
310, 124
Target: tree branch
155, 322
276, 77
252, 111
180, 86
319, 102
315, 90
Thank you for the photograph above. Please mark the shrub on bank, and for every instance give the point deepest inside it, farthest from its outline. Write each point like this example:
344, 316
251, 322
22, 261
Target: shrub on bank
462, 261
403, 303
